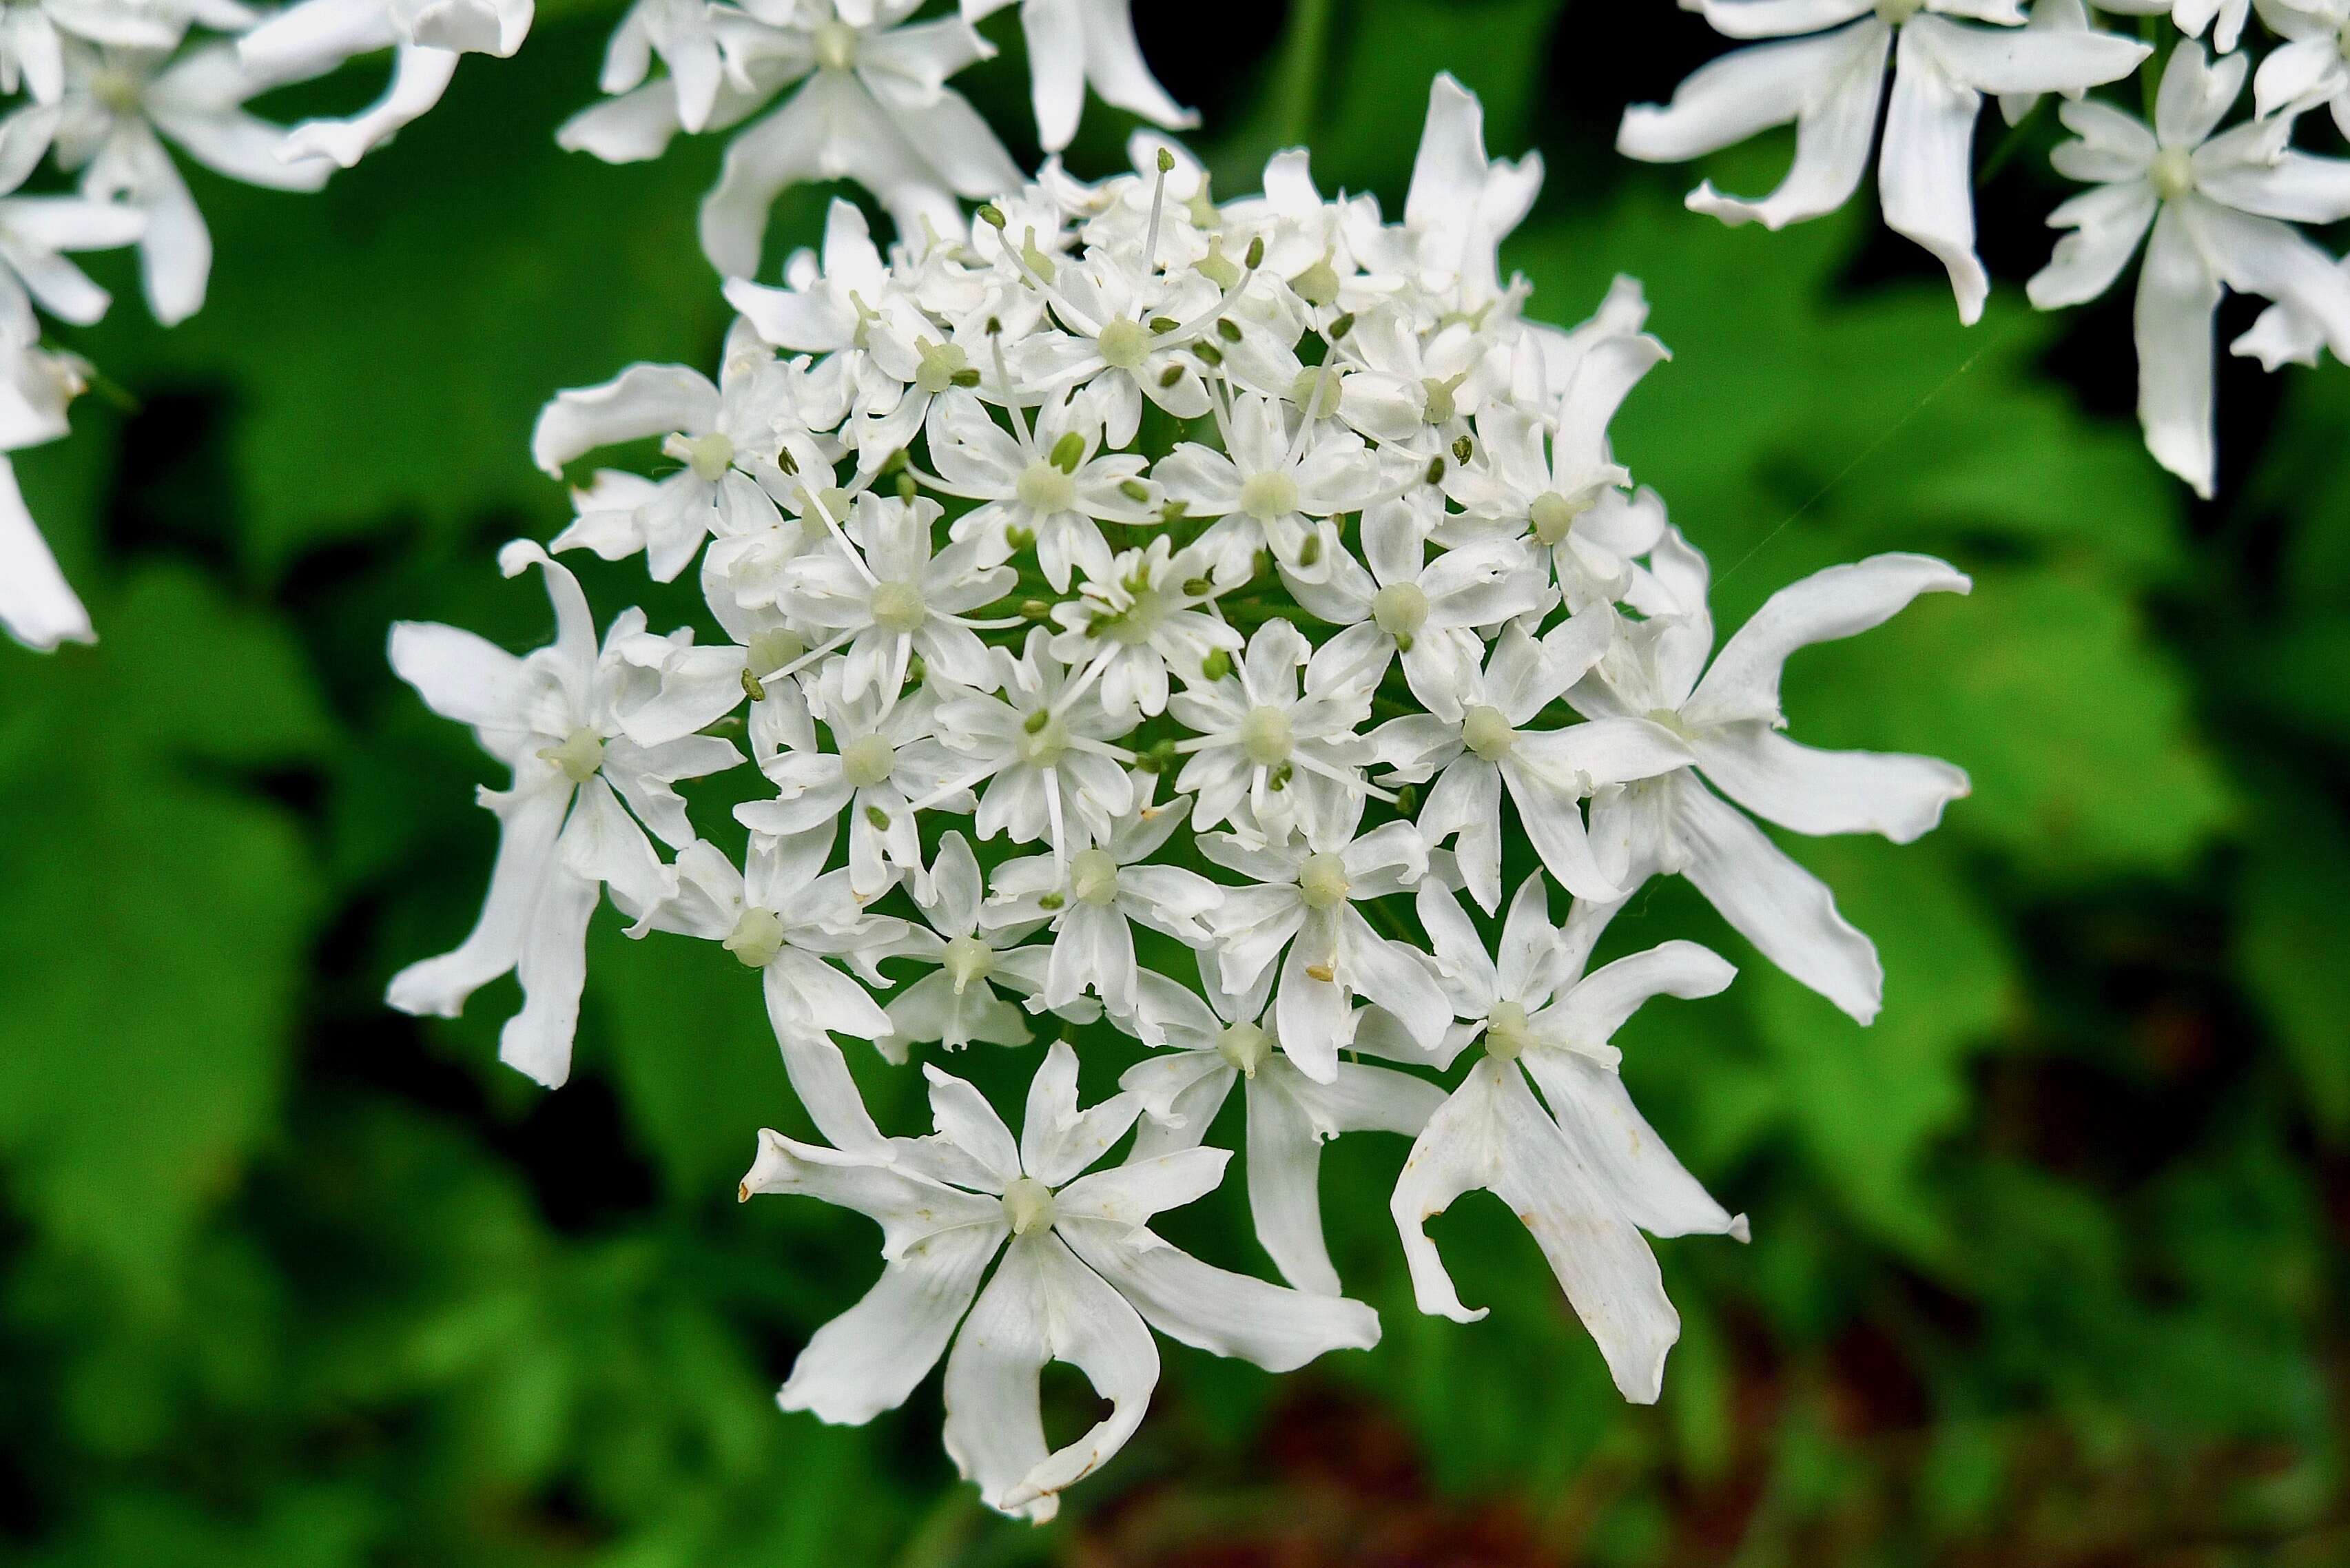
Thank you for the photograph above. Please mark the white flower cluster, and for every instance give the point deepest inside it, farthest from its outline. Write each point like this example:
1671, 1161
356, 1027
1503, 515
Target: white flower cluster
2221, 203
105, 85
864, 97
1222, 569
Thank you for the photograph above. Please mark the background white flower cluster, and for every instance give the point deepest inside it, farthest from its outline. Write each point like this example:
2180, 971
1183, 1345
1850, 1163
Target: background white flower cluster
1150, 615
110, 88
2215, 192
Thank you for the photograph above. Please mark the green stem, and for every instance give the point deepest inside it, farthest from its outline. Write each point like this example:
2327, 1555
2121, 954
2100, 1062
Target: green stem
1303, 59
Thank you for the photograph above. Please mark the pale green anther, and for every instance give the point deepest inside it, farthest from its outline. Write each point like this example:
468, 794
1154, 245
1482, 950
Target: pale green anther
2172, 173
775, 648
752, 686
1020, 538
1506, 1035
1035, 610
1166, 161
1228, 329
710, 456
1319, 390
1164, 324
1134, 490
906, 487
1216, 266
1279, 778
1207, 353
1464, 448
117, 89
1216, 665
917, 671
877, 817
1202, 207
991, 214
1322, 881
1265, 496
1265, 734
1124, 345
1256, 257
1042, 746
1027, 1205
1310, 552
1068, 451
899, 607
1050, 902
1340, 325
1438, 402
868, 760
965, 959
1400, 609
1436, 469
1318, 283
1047, 487
836, 45
1486, 732
1554, 515
833, 499
1035, 261
941, 364
1093, 875
1170, 376
757, 939
1198, 588
579, 755
1034, 723
1245, 1046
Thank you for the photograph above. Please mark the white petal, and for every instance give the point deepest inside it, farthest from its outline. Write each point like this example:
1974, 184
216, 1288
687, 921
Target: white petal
869, 1358
641, 400
1216, 1310
2178, 294
1042, 1306
1839, 602
1925, 176
1775, 904
1891, 793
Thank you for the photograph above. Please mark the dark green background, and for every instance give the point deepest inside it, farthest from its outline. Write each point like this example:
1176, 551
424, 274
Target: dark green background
2048, 1265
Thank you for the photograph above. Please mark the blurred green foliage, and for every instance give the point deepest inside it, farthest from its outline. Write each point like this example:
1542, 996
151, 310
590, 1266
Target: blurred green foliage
2049, 1265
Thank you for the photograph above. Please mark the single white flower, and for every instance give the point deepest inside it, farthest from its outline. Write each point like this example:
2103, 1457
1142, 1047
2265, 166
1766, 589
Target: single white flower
1728, 715
1142, 619
1259, 741
877, 591
1486, 747
121, 104
1275, 487
724, 437
427, 38
1428, 610
35, 231
1300, 899
1290, 1116
585, 731
960, 1003
869, 102
885, 755
2220, 208
1092, 899
784, 915
1830, 81
1083, 1280
1046, 486
1585, 1174
1075, 43
1050, 769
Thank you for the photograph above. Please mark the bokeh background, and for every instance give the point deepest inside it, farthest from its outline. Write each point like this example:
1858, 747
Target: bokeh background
2048, 1266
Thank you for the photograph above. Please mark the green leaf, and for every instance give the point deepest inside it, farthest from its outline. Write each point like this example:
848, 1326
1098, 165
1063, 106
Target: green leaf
154, 928
1868, 1103
2293, 946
